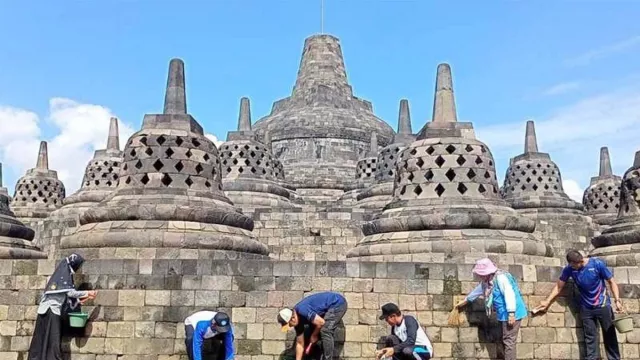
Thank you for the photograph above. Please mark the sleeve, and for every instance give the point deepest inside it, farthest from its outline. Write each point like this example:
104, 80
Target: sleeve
198, 339
412, 332
306, 312
508, 291
77, 294
230, 351
475, 293
604, 271
566, 274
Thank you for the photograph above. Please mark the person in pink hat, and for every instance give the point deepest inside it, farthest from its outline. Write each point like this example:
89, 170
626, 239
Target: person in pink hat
501, 293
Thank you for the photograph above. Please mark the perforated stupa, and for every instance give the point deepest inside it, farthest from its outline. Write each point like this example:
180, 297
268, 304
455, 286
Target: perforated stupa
446, 206
380, 193
38, 192
601, 199
170, 191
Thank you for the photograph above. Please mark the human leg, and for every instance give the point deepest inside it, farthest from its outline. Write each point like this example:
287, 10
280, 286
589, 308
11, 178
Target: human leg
591, 336
188, 340
331, 320
509, 338
54, 348
38, 341
609, 335
415, 353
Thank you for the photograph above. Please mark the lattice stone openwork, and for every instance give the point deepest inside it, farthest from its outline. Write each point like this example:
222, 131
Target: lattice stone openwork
248, 159
540, 177
102, 174
386, 165
35, 190
366, 169
156, 159
432, 168
603, 197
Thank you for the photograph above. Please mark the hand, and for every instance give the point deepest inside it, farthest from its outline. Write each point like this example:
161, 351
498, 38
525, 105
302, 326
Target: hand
314, 338
384, 352
92, 294
512, 320
461, 304
619, 306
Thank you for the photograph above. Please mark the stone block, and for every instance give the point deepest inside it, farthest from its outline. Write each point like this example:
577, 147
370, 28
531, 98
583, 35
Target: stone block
120, 329
131, 297
158, 297
243, 315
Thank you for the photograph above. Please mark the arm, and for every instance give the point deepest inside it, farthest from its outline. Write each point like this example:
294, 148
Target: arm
198, 339
318, 323
412, 332
507, 290
554, 293
299, 346
474, 294
229, 347
613, 285
77, 294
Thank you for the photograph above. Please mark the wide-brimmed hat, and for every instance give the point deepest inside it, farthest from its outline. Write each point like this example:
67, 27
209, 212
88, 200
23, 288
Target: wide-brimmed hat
484, 267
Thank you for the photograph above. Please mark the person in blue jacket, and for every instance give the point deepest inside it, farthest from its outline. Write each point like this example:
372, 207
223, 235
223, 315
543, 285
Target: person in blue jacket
204, 325
502, 294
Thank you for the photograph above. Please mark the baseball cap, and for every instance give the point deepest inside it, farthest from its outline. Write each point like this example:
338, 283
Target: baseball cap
284, 316
222, 322
388, 310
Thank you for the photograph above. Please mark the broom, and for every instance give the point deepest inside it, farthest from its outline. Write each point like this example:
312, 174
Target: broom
454, 317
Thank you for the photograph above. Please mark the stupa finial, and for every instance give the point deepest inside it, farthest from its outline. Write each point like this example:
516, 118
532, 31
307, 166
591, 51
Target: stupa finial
605, 162
530, 140
444, 104
175, 100
373, 149
43, 157
113, 141
404, 118
244, 118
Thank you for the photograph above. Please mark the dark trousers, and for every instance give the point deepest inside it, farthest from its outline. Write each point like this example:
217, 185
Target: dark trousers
604, 316
212, 349
331, 320
407, 353
47, 336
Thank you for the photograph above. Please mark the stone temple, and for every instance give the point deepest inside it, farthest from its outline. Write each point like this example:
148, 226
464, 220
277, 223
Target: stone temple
320, 194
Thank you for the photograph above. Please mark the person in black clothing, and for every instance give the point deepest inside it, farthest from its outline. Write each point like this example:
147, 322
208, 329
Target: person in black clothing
407, 340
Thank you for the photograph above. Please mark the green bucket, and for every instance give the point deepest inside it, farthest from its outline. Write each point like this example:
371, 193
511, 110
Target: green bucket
78, 320
624, 324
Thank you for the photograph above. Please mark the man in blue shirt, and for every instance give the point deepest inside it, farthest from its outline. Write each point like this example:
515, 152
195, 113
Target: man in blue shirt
206, 325
591, 276
322, 311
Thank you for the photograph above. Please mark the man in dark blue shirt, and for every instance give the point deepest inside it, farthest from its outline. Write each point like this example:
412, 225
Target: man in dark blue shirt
322, 311
591, 276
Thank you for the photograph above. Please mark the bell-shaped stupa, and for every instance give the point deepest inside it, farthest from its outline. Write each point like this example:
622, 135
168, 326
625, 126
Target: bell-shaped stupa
365, 173
320, 132
533, 186
619, 245
250, 174
169, 194
601, 199
38, 192
380, 193
15, 238
445, 206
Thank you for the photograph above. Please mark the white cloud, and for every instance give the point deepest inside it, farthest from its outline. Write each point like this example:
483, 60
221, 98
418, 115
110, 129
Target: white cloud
609, 50
573, 189
561, 88
573, 135
214, 139
80, 129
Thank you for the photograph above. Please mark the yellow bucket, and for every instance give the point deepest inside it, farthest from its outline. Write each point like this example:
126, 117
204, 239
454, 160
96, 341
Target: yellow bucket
624, 324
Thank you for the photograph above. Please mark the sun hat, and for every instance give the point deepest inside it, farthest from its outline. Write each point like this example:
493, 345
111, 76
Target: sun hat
284, 316
484, 267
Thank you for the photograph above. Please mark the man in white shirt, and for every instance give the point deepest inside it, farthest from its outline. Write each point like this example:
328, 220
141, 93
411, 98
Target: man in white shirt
204, 325
408, 341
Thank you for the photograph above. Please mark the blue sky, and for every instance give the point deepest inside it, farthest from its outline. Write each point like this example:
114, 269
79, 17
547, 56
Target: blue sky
569, 65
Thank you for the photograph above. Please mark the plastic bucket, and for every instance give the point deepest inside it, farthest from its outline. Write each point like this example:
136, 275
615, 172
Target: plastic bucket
78, 320
624, 324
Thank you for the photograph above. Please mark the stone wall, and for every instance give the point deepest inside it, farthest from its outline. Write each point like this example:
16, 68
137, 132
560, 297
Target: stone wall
142, 303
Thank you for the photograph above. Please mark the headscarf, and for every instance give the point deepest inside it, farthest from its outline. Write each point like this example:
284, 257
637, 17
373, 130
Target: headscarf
62, 279
488, 270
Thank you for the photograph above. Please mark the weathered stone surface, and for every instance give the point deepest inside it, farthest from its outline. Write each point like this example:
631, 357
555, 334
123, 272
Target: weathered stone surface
321, 131
445, 203
169, 193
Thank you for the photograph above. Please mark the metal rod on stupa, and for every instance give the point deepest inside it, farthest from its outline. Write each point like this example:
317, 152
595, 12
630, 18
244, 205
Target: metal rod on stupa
404, 118
175, 100
530, 140
605, 162
444, 104
113, 141
244, 118
43, 157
